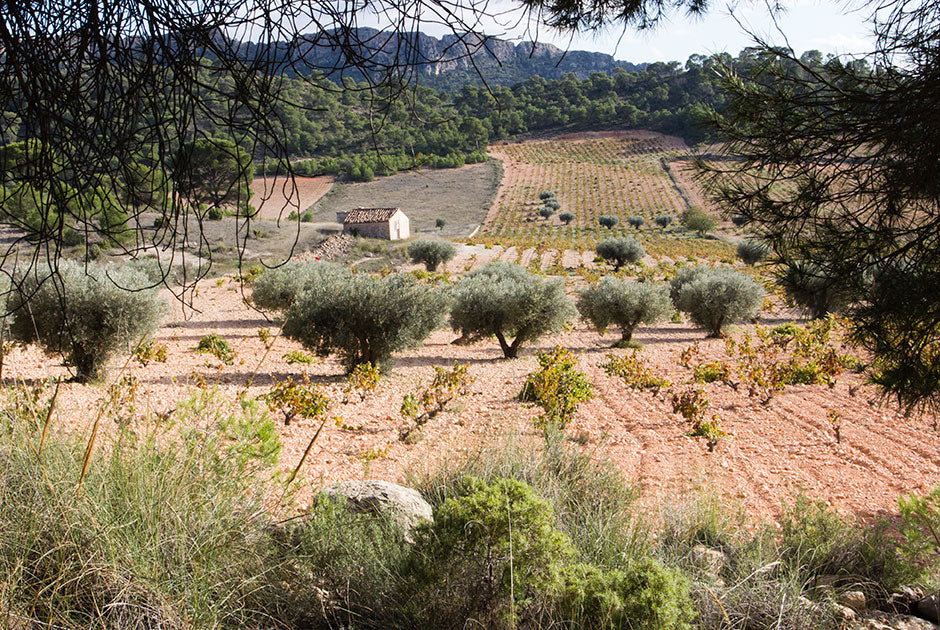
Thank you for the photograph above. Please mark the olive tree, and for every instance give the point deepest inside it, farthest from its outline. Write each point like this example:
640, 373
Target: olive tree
752, 251
86, 314
620, 251
664, 220
277, 288
719, 297
363, 318
607, 221
625, 304
431, 253
810, 287
566, 217
636, 221
504, 300
697, 220
685, 275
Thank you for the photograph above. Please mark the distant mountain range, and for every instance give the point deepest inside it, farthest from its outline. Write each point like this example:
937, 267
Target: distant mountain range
446, 63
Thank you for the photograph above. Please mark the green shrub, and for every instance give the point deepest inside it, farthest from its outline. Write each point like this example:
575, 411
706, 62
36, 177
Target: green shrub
504, 300
920, 526
364, 319
696, 220
636, 221
711, 372
664, 220
552, 204
719, 298
620, 251
492, 554
277, 288
215, 214
218, 347
431, 253
545, 212
752, 251
558, 387
625, 304
812, 288
566, 217
607, 221
440, 224
641, 594
88, 317
634, 371
546, 194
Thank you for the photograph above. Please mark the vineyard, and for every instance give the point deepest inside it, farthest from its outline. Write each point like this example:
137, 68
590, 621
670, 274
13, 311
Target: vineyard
617, 174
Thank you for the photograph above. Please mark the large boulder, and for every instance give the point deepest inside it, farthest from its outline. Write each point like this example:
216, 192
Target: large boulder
403, 505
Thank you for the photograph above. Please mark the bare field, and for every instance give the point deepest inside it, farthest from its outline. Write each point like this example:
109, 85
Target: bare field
277, 197
772, 451
460, 196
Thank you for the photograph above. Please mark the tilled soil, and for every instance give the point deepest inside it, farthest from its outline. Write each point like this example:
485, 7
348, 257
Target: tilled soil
772, 451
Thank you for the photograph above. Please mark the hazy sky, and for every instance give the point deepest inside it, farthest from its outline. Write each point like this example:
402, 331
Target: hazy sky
830, 27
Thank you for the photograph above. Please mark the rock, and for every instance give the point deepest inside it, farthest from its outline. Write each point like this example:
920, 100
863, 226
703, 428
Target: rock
853, 599
404, 505
877, 620
928, 608
904, 600
843, 613
709, 560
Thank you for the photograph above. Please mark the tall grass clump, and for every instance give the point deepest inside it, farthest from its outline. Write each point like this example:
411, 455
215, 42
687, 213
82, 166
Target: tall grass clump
88, 314
163, 532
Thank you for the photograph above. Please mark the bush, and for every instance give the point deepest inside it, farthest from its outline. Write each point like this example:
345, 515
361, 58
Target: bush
720, 297
696, 220
752, 251
642, 593
215, 214
607, 221
626, 304
636, 221
86, 314
546, 194
618, 251
218, 347
363, 318
504, 300
664, 220
440, 224
553, 204
277, 288
634, 371
492, 552
431, 253
545, 212
810, 287
566, 217
557, 387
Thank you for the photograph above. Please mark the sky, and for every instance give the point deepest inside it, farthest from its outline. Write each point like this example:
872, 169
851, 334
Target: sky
830, 27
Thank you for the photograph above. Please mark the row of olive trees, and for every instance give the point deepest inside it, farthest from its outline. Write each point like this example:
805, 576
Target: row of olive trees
329, 309
90, 314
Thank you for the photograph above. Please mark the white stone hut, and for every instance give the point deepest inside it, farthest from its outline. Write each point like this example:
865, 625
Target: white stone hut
387, 223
